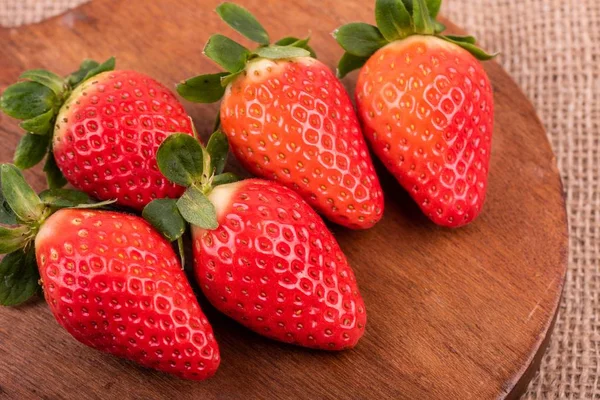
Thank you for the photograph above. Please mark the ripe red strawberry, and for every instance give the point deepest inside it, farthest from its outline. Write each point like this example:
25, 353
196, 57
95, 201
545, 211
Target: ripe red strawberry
104, 129
115, 284
273, 266
289, 119
262, 255
426, 106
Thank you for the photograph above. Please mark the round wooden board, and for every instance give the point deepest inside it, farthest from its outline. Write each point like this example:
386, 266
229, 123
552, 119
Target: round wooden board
453, 314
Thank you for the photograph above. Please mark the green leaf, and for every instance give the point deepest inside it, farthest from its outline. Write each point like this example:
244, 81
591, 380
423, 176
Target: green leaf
226, 80
31, 150
243, 22
7, 216
408, 4
46, 78
54, 177
295, 42
197, 209
393, 19
108, 65
477, 52
462, 39
39, 125
229, 54
19, 277
26, 100
181, 249
224, 179
275, 52
217, 148
21, 198
180, 159
421, 19
100, 204
13, 237
439, 27
62, 198
360, 39
203, 88
164, 215
76, 77
434, 7
349, 63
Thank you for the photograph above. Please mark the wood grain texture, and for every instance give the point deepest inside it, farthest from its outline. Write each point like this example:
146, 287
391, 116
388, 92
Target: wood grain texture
453, 314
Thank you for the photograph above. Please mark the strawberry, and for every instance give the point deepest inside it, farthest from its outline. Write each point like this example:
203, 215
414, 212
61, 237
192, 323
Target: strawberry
262, 255
289, 119
426, 106
104, 128
111, 280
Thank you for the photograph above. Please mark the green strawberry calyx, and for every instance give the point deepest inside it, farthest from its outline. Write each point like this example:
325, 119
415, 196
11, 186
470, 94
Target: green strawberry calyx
22, 213
396, 20
36, 100
233, 57
183, 160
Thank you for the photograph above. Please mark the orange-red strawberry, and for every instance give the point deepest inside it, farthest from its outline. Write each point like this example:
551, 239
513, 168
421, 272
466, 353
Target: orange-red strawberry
426, 106
262, 255
273, 266
104, 127
289, 119
112, 281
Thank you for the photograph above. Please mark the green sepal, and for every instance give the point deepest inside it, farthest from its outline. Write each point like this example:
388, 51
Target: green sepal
76, 77
359, 39
19, 277
7, 216
180, 159
13, 237
439, 27
203, 88
295, 42
275, 52
348, 63
217, 147
164, 215
26, 100
21, 198
101, 204
54, 177
197, 209
222, 179
226, 80
393, 20
477, 52
108, 65
462, 39
181, 250
63, 198
434, 7
422, 21
39, 125
243, 22
46, 78
229, 54
31, 150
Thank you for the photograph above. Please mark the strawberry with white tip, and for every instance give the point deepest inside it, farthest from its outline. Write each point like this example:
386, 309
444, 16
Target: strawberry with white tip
426, 106
100, 129
289, 119
262, 255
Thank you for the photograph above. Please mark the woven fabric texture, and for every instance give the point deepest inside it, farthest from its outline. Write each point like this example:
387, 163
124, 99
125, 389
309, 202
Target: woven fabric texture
21, 12
552, 49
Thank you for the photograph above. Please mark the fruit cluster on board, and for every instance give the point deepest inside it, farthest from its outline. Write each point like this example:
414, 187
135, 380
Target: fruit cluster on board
262, 254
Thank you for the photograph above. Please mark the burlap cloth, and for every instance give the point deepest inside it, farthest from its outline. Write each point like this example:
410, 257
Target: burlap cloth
552, 49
